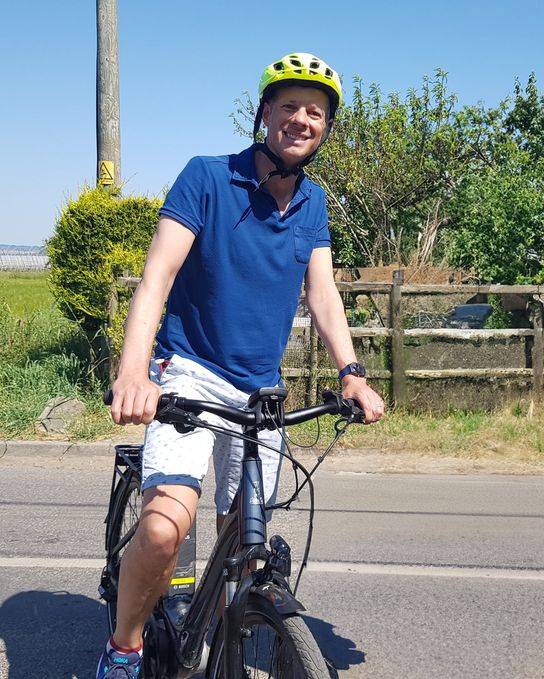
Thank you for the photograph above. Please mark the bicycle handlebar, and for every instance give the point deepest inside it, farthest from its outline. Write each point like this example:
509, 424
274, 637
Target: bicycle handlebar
173, 409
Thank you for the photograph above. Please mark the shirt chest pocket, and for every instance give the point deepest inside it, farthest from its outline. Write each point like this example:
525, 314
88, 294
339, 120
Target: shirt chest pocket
304, 242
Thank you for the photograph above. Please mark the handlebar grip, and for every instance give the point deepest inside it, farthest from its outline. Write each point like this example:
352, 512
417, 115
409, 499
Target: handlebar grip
108, 397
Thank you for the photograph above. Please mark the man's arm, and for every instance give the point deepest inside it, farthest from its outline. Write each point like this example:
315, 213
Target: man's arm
327, 310
134, 395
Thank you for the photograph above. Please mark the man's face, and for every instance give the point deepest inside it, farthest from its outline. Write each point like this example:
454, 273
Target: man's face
296, 119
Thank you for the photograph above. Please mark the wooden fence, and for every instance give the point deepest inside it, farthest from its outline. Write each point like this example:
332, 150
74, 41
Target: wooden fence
397, 373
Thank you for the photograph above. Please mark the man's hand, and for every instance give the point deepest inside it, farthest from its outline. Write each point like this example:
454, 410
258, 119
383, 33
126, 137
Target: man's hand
357, 388
134, 400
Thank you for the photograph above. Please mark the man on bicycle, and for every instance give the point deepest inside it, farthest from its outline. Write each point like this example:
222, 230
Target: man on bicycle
236, 238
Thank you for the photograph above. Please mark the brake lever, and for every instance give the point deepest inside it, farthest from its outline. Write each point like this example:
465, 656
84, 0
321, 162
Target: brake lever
182, 421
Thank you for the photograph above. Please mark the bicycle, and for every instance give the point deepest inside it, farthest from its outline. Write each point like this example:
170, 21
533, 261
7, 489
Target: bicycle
260, 633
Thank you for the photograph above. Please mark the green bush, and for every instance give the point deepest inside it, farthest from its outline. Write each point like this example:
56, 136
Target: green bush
97, 238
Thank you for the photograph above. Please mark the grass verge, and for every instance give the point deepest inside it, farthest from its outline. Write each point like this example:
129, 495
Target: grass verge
42, 355
513, 433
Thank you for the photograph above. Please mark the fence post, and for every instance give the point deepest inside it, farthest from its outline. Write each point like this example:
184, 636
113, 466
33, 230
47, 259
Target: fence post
397, 340
538, 350
311, 396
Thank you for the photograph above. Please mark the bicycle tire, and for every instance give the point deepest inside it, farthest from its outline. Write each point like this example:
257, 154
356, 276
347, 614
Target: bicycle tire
125, 517
288, 651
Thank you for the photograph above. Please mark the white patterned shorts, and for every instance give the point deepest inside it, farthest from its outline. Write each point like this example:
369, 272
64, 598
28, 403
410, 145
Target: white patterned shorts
182, 459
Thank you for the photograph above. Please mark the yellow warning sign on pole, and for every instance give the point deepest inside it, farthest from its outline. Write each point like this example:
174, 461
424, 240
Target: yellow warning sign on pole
105, 172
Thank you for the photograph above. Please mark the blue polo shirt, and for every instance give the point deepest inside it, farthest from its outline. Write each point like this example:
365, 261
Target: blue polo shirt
232, 303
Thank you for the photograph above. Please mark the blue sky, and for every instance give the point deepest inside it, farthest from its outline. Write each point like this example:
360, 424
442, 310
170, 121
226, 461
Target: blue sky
182, 65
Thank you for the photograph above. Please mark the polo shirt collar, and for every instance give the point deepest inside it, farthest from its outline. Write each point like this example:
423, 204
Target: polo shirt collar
245, 171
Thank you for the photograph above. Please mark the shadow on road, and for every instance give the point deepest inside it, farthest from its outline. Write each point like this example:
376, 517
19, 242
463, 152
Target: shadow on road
52, 635
58, 635
339, 651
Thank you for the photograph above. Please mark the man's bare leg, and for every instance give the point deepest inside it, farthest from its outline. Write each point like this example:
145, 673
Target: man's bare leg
150, 558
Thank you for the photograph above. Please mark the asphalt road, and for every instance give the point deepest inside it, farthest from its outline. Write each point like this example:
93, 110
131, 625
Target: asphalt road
411, 576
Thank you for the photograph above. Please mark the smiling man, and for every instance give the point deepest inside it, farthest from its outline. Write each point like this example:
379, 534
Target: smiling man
236, 238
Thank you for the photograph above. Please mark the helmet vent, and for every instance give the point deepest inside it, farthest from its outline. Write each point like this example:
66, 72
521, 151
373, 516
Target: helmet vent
328, 73
295, 62
314, 64
278, 66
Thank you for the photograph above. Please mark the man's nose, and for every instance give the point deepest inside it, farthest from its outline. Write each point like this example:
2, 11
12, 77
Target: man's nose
300, 116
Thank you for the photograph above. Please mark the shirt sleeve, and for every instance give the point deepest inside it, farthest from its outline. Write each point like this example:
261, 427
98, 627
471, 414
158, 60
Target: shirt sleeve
186, 201
323, 236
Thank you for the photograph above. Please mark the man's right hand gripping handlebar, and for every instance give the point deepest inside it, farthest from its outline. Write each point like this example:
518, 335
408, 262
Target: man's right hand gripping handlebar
133, 401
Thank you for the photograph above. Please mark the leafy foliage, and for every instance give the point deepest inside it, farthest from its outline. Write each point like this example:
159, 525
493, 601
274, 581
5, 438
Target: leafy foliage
497, 209
97, 238
386, 169
499, 219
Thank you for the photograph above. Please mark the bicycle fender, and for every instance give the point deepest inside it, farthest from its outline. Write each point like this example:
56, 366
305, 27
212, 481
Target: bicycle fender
282, 599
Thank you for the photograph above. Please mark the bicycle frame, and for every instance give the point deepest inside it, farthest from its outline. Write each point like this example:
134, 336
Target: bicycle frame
242, 538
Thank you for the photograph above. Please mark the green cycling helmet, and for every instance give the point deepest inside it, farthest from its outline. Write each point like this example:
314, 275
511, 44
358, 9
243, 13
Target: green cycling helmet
296, 69
300, 68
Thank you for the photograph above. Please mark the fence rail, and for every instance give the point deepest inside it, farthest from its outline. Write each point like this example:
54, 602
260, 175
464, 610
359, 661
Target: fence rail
398, 374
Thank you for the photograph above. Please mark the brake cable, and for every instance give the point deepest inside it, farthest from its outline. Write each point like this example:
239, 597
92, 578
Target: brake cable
340, 431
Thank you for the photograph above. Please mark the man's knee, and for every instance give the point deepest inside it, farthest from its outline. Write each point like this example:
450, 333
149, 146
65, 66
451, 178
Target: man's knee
167, 515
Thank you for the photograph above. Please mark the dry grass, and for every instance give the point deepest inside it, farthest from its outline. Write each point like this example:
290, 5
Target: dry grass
510, 434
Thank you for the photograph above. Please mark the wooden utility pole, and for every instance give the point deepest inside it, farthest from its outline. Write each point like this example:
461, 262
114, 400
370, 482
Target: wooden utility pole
108, 136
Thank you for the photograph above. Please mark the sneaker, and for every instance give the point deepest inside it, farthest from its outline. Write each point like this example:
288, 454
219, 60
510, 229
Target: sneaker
115, 665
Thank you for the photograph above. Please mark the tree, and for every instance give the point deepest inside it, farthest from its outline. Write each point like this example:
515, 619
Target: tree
387, 169
96, 238
525, 122
496, 213
497, 223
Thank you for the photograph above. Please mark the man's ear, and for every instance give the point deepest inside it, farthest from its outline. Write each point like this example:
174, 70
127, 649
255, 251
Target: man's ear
266, 113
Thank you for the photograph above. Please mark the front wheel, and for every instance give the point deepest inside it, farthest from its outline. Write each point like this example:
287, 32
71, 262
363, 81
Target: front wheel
278, 647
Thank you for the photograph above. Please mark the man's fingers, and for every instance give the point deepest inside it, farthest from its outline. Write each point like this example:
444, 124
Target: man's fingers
135, 405
150, 407
371, 403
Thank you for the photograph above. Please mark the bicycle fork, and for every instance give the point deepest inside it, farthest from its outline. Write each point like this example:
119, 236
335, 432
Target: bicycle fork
270, 581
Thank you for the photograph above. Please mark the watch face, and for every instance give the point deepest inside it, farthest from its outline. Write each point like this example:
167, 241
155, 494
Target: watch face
357, 369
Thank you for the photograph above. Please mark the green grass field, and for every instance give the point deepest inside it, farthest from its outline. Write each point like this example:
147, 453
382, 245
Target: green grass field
25, 292
43, 355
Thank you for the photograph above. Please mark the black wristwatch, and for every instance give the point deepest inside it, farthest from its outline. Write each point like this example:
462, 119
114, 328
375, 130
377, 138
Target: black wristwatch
352, 369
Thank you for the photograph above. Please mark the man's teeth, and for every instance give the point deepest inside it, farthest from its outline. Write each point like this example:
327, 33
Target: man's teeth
294, 137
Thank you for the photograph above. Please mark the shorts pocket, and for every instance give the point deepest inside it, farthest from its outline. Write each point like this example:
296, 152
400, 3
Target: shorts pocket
304, 242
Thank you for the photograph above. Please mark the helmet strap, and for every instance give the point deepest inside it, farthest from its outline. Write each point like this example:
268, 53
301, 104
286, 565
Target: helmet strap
281, 170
